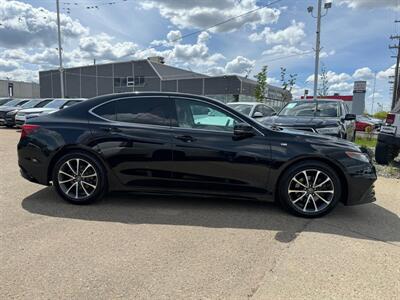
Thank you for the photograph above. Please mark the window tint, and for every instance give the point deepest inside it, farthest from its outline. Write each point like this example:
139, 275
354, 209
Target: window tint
43, 103
200, 115
266, 110
148, 110
107, 111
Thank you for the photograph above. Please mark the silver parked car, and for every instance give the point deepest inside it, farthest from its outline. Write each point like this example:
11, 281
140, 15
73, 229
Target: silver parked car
253, 109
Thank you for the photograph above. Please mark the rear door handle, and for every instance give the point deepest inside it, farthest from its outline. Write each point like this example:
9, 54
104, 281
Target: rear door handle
110, 129
185, 138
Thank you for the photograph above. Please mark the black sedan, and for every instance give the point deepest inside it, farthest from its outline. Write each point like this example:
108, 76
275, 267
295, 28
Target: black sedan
327, 117
169, 143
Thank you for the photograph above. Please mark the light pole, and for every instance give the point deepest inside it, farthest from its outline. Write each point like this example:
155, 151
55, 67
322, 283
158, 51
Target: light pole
60, 49
310, 9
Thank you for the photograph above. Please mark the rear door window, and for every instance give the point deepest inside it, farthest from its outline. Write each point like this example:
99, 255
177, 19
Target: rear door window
144, 110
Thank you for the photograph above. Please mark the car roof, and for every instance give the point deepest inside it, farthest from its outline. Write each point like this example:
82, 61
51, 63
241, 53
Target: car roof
248, 102
318, 100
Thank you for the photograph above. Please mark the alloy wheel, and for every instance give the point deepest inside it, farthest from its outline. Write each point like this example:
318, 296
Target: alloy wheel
311, 190
77, 178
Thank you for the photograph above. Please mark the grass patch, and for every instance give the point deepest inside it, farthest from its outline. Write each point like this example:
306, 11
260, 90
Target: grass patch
362, 141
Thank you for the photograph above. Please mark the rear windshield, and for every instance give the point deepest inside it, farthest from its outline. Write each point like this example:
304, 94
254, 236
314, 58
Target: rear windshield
30, 104
56, 103
12, 102
243, 108
311, 109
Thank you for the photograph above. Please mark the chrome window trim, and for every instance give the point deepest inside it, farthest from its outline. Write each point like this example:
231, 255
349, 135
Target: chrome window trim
141, 125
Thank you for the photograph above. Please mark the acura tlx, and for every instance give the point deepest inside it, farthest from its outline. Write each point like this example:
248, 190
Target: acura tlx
182, 144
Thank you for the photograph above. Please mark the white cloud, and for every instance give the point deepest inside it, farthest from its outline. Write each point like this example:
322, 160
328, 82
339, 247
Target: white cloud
370, 3
282, 51
23, 25
202, 13
341, 88
386, 73
8, 65
363, 74
324, 54
239, 65
291, 35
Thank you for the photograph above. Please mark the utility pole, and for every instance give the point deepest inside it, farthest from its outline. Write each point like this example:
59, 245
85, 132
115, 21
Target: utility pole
373, 95
396, 83
60, 49
310, 9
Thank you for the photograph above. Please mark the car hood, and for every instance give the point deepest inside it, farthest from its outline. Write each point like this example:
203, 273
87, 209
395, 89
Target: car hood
316, 138
36, 110
315, 122
9, 108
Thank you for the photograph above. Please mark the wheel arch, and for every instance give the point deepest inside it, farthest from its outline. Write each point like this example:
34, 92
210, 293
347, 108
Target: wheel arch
335, 166
67, 149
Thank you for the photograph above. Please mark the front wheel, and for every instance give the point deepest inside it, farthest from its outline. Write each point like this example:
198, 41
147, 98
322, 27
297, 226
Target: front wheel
79, 178
310, 189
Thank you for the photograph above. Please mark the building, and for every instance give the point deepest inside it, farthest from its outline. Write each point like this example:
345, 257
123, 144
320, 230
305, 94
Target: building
19, 89
355, 102
149, 75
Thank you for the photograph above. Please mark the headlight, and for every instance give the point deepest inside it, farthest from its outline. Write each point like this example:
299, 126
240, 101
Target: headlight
359, 156
329, 130
31, 116
13, 112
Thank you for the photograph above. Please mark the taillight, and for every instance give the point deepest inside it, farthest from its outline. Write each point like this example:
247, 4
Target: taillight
27, 129
390, 118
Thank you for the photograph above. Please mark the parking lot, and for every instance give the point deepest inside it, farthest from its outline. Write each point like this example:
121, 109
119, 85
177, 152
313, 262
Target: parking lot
141, 247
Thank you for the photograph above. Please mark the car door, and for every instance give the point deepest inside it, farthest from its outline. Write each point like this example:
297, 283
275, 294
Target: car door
206, 156
349, 125
134, 136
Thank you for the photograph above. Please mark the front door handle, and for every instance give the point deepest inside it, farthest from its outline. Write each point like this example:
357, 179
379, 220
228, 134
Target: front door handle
185, 138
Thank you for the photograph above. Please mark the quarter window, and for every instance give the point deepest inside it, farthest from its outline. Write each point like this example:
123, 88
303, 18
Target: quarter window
199, 115
106, 111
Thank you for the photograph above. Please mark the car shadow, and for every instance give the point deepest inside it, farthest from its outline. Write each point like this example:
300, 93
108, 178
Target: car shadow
369, 221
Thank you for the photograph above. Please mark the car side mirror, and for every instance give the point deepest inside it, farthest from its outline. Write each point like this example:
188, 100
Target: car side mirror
242, 130
349, 117
257, 114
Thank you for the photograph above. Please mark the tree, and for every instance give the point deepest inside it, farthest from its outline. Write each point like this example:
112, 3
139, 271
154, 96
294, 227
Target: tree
261, 87
287, 83
323, 90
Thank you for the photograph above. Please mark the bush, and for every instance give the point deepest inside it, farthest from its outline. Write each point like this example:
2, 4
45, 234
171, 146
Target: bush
381, 115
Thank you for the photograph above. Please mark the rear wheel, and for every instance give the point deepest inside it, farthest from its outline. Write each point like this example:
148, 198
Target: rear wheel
79, 178
383, 153
310, 189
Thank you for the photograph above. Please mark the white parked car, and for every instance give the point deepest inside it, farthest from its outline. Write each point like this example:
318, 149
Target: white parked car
49, 108
388, 145
253, 109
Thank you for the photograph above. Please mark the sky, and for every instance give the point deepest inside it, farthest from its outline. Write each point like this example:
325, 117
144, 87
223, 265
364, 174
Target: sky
281, 33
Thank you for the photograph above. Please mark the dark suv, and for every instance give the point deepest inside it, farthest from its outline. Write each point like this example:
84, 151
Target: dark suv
327, 117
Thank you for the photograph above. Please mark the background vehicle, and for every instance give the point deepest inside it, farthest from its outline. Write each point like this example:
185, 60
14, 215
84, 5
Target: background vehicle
10, 106
35, 103
51, 107
253, 109
163, 143
388, 145
327, 117
4, 101
363, 123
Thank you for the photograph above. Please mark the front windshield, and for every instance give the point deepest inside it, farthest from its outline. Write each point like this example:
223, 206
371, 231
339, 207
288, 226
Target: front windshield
30, 104
311, 109
56, 103
242, 108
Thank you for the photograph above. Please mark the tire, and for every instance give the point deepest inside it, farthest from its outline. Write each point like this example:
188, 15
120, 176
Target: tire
383, 154
90, 184
308, 202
